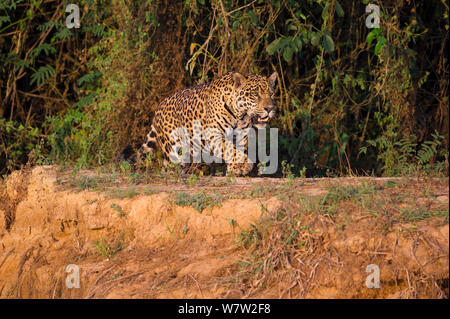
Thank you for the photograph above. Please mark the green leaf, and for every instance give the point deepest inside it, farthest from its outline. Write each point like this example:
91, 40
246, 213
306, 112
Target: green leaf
288, 53
22, 64
325, 13
273, 46
64, 34
42, 74
46, 25
327, 42
362, 150
380, 44
298, 43
43, 47
372, 142
253, 18
315, 38
292, 27
88, 78
372, 34
4, 19
299, 14
339, 10
85, 100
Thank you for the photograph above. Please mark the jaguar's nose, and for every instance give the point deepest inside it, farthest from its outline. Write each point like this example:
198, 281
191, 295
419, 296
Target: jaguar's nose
269, 108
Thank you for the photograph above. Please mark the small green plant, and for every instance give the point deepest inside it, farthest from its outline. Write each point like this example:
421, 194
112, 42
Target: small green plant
337, 192
302, 172
9, 292
329, 203
230, 179
416, 214
261, 166
150, 191
286, 170
130, 192
404, 158
199, 201
257, 191
118, 209
233, 225
249, 237
192, 180
390, 184
125, 167
106, 250
16, 141
85, 182
174, 169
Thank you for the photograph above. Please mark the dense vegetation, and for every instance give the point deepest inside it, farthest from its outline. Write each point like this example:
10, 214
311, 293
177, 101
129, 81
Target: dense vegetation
351, 100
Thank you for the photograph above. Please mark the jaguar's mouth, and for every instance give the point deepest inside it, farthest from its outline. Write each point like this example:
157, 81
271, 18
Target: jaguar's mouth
260, 122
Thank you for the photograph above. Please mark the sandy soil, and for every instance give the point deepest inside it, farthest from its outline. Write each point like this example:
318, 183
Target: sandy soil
135, 238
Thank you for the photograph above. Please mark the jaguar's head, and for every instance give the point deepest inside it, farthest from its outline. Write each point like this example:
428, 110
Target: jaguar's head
254, 98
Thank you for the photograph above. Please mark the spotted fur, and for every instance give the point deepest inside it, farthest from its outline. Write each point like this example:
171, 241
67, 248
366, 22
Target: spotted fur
232, 101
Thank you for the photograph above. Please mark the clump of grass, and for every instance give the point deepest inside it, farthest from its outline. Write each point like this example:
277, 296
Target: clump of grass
85, 182
338, 193
229, 180
416, 214
150, 191
275, 245
390, 184
200, 201
173, 170
322, 206
257, 191
118, 209
249, 237
192, 180
107, 250
286, 170
135, 178
329, 203
125, 167
130, 192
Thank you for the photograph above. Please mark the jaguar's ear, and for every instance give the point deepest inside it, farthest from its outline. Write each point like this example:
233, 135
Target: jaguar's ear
239, 80
272, 79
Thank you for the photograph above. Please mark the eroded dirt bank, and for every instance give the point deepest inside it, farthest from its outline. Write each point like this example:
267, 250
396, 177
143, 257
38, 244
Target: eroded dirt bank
221, 237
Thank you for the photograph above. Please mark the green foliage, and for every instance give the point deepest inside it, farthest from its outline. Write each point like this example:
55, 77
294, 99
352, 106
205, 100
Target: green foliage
108, 250
88, 78
192, 180
350, 100
42, 75
405, 157
47, 48
199, 201
130, 192
118, 209
16, 141
286, 170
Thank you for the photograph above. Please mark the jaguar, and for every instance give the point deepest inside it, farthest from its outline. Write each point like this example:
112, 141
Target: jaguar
232, 101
